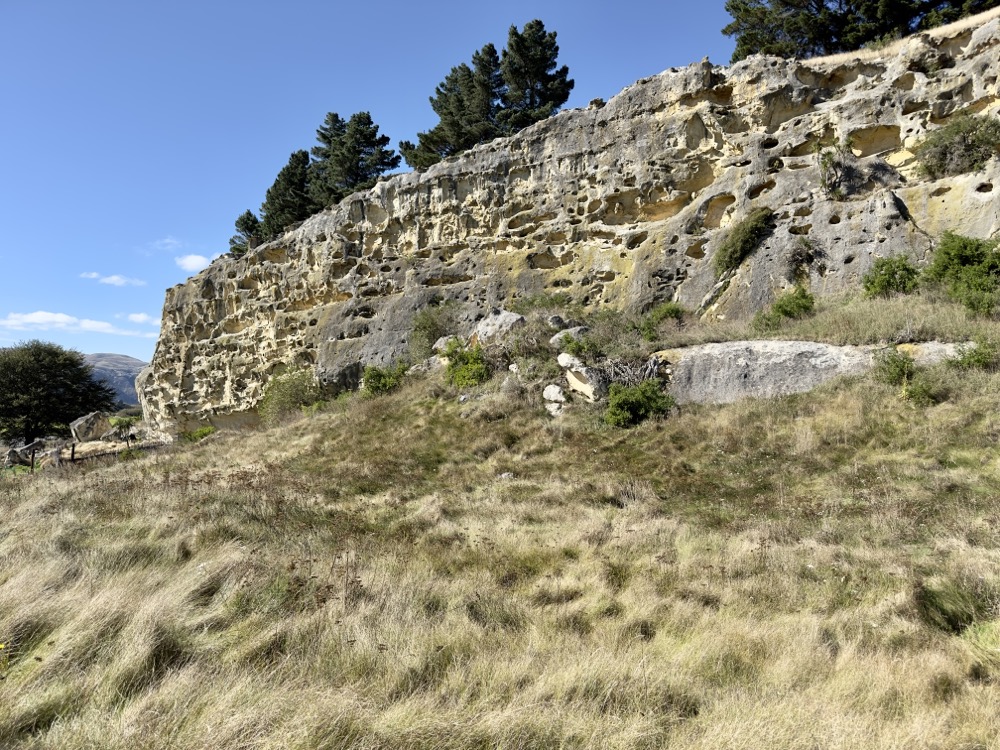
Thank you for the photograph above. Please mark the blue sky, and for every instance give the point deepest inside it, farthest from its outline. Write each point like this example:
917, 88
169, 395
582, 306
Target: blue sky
133, 134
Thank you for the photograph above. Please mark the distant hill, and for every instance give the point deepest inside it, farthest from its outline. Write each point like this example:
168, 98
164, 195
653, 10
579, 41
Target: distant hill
119, 372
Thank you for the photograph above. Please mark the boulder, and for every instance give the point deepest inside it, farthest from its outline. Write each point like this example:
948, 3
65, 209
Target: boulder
554, 393
495, 326
560, 339
589, 381
90, 427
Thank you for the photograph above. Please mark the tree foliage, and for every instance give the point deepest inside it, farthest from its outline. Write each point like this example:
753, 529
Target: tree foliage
288, 200
496, 95
248, 234
806, 28
44, 387
350, 156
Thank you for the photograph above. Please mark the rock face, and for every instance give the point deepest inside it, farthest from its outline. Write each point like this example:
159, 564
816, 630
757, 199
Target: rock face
623, 204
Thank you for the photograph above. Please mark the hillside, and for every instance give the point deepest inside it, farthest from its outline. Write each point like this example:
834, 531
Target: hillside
445, 568
622, 205
119, 372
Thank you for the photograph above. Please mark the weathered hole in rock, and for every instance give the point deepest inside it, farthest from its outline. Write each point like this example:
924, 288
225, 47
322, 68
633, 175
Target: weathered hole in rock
697, 250
874, 140
984, 187
759, 190
938, 192
835, 219
716, 209
769, 142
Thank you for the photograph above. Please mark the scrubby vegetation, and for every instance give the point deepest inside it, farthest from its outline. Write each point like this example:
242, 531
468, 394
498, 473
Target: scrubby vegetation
964, 144
797, 303
888, 276
968, 269
467, 366
630, 405
381, 380
287, 393
742, 240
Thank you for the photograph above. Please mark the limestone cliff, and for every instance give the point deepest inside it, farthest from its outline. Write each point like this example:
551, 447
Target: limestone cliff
621, 204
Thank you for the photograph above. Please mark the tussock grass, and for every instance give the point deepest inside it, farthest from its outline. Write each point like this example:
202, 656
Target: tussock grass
414, 571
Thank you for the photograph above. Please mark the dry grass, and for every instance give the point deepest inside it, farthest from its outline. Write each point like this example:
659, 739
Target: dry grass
414, 572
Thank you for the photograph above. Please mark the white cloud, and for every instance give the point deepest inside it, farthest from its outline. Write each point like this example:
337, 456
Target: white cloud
143, 318
113, 280
192, 263
49, 321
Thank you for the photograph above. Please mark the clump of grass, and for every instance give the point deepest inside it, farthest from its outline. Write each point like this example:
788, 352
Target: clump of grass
287, 393
378, 381
798, 303
495, 612
894, 368
889, 276
199, 434
742, 240
630, 405
964, 144
951, 605
467, 367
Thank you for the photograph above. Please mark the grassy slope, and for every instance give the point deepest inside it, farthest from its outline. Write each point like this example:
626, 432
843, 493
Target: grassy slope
411, 571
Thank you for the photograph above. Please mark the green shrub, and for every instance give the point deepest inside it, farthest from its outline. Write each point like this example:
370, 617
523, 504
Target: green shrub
894, 368
584, 346
466, 367
652, 319
969, 271
963, 145
795, 304
196, 436
630, 405
381, 380
287, 393
922, 391
982, 355
889, 276
429, 325
743, 240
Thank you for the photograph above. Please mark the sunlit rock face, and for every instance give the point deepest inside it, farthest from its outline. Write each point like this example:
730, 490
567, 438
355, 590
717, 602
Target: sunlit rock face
622, 204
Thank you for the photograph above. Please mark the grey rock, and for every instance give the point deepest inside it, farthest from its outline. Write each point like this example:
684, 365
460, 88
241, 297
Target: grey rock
562, 337
495, 326
554, 393
90, 427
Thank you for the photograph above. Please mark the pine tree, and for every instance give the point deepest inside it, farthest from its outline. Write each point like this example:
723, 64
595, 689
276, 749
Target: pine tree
535, 87
467, 103
288, 200
248, 234
351, 156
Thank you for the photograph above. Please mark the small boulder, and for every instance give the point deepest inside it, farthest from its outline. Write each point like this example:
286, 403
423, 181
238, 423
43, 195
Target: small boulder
589, 381
554, 393
494, 326
554, 409
560, 339
442, 344
90, 427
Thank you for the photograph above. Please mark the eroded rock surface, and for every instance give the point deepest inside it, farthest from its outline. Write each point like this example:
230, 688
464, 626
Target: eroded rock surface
623, 204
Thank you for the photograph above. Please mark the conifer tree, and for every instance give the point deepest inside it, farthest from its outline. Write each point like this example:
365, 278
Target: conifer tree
351, 156
248, 234
288, 200
467, 103
535, 87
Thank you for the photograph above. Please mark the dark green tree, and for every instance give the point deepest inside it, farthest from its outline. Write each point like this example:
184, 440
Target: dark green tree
248, 234
288, 200
467, 103
44, 387
536, 88
806, 28
351, 156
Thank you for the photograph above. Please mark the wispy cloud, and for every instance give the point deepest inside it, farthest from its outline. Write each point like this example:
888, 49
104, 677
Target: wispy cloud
113, 280
50, 321
167, 243
192, 263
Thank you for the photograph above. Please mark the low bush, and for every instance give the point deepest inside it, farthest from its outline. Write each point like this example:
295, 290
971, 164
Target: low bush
889, 276
968, 269
380, 380
792, 305
962, 145
287, 393
466, 367
429, 325
651, 321
743, 240
981, 355
630, 405
894, 368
